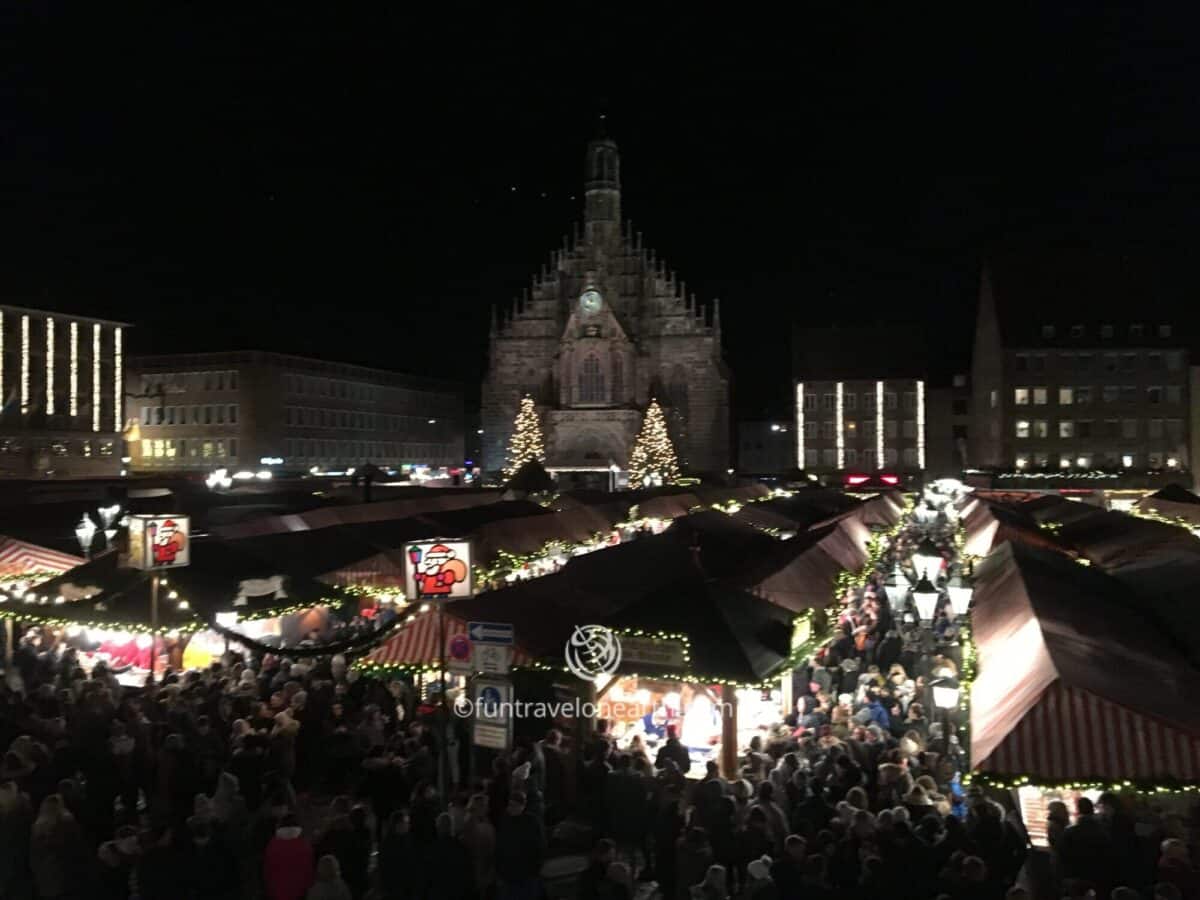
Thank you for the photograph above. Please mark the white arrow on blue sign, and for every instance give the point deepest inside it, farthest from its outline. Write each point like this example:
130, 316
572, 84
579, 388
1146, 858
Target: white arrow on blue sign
490, 632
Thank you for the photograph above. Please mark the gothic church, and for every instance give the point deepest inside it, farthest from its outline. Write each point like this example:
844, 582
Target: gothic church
605, 328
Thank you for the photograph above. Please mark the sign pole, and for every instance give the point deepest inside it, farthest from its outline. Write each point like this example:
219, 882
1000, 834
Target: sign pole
444, 760
153, 622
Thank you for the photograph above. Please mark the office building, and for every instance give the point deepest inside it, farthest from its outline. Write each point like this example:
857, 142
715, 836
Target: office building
245, 409
62, 381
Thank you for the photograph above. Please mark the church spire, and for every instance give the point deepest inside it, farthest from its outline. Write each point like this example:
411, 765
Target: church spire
602, 187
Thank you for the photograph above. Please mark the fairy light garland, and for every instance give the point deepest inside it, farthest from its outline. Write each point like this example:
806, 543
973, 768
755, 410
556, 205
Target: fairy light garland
1012, 782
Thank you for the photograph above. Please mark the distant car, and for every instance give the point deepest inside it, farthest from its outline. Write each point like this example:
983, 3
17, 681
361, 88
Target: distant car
875, 481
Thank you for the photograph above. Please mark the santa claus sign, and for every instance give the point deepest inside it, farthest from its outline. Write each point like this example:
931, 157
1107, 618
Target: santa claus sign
159, 542
438, 570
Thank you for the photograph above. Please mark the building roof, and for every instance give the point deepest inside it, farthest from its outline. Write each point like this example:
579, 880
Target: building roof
1066, 287
61, 314
174, 361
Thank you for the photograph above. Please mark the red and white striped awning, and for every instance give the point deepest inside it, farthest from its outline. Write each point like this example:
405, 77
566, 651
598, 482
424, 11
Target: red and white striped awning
1072, 734
22, 558
416, 644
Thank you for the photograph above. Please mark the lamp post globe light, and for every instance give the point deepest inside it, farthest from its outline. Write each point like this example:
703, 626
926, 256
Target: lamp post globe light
926, 597
960, 596
85, 533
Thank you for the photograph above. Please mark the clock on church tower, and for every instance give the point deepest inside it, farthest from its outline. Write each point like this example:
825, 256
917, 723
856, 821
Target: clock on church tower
591, 302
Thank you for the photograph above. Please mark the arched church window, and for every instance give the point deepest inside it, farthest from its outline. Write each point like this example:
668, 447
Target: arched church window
618, 378
591, 381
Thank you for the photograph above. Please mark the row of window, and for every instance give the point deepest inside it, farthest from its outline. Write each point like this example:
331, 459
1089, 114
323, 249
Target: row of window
313, 386
86, 449
182, 382
850, 401
1136, 330
189, 448
1108, 459
365, 451
854, 428
860, 458
1128, 361
1129, 429
348, 418
1109, 393
209, 414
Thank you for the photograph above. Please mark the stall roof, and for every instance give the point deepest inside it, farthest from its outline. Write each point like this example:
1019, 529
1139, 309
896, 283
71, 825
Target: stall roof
220, 578
1074, 682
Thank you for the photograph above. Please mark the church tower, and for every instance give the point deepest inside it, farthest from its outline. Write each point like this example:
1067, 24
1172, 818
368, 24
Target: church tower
604, 328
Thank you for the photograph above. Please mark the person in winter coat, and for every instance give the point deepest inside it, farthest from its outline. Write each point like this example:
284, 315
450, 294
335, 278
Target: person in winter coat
712, 887
693, 859
329, 884
212, 865
288, 862
479, 837
399, 865
520, 846
57, 854
674, 751
449, 865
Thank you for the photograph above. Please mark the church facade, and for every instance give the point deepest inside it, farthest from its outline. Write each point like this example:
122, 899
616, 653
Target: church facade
605, 328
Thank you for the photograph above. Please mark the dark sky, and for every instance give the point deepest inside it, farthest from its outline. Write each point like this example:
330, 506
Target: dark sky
339, 181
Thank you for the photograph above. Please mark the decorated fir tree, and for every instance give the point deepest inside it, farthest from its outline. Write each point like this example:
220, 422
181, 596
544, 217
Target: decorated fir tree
525, 445
652, 460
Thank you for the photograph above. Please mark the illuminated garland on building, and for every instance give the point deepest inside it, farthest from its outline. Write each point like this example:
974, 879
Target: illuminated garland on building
526, 444
73, 384
921, 425
118, 378
879, 455
799, 424
49, 366
652, 459
96, 377
24, 365
1012, 782
839, 425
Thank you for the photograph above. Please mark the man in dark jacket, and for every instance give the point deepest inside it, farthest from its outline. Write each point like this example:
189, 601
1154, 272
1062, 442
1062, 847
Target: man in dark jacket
788, 872
520, 846
1085, 850
674, 751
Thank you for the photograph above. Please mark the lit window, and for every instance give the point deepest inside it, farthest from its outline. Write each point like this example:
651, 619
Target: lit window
1041, 428
851, 427
1021, 396
1066, 428
1022, 462
1039, 396
1066, 396
1084, 462
994, 399
1064, 462
1022, 428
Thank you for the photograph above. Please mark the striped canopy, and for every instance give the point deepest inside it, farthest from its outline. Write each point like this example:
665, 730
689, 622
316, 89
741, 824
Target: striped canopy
22, 558
415, 645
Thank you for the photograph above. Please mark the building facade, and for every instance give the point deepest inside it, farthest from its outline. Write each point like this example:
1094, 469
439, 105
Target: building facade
1079, 394
62, 381
241, 409
605, 328
860, 425
765, 447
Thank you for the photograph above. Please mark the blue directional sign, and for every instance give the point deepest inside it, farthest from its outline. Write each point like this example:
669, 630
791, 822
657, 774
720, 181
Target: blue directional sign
490, 632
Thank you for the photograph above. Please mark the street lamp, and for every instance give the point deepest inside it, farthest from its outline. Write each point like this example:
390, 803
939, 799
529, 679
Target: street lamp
613, 470
85, 533
927, 559
926, 597
945, 692
960, 596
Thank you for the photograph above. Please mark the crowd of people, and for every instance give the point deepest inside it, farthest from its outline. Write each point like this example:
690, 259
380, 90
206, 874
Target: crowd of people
261, 777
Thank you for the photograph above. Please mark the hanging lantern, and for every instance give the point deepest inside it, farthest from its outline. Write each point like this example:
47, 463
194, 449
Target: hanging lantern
928, 560
926, 597
960, 596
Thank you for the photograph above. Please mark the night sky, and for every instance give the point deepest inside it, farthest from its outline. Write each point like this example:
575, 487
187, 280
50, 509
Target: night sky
340, 182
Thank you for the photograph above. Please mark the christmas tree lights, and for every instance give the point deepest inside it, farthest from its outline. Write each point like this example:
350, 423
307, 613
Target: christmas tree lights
652, 460
526, 444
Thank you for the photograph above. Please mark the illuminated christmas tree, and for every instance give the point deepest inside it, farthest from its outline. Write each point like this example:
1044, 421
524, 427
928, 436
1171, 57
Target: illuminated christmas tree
525, 445
652, 460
